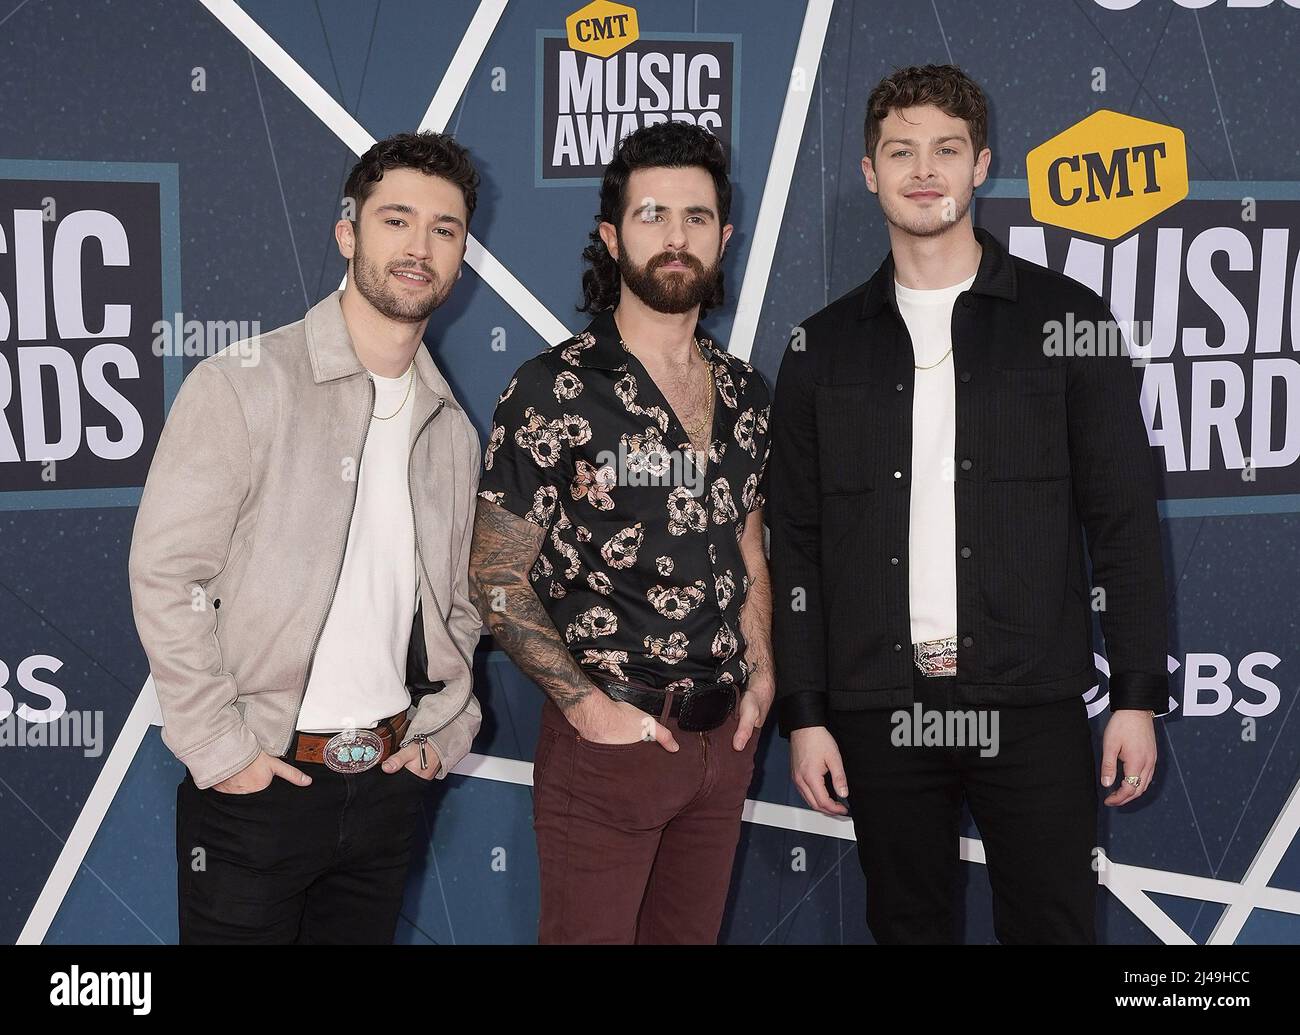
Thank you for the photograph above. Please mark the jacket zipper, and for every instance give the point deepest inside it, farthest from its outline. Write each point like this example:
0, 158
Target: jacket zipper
411, 499
415, 524
338, 574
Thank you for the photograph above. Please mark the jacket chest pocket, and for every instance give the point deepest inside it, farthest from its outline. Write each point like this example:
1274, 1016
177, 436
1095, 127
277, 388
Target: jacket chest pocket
1028, 432
851, 435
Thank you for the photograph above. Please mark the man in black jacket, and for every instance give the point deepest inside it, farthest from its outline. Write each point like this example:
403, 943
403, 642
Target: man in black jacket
935, 467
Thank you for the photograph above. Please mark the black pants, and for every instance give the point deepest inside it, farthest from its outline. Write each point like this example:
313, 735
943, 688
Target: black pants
1034, 801
322, 864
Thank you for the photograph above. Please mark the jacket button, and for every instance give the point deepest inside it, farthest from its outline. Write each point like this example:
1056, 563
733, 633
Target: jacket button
965, 376
216, 604
898, 387
966, 464
893, 560
967, 641
897, 647
965, 551
898, 474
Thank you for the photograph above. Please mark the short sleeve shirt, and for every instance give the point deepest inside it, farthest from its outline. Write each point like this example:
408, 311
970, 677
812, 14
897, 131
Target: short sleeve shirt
641, 569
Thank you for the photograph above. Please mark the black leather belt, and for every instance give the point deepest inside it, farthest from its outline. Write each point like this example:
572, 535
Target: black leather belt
701, 708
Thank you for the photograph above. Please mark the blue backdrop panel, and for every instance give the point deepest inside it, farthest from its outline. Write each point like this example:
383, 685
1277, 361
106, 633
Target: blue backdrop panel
246, 178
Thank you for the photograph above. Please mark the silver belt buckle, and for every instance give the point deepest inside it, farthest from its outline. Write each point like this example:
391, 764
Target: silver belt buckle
353, 751
936, 657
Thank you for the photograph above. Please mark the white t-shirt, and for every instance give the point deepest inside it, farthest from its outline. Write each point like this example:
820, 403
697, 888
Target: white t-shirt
932, 528
359, 675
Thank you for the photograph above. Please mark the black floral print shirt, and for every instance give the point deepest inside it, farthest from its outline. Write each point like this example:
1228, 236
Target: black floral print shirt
641, 569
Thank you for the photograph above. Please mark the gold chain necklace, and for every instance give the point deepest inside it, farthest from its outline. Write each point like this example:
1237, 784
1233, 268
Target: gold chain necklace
696, 430
409, 382
935, 363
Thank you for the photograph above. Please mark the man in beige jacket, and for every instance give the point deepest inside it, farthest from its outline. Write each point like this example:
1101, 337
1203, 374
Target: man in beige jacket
298, 576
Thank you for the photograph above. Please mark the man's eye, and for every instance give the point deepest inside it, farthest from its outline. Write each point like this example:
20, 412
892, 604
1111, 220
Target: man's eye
394, 222
899, 154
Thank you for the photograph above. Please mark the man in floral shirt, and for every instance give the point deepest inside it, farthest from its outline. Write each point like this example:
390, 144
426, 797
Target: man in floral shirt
618, 559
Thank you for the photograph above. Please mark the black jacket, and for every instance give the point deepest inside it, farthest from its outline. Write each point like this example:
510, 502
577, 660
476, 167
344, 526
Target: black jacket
1047, 448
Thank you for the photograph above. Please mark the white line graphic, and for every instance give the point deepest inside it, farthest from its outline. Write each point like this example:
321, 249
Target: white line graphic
785, 151
144, 713
359, 140
1260, 872
462, 65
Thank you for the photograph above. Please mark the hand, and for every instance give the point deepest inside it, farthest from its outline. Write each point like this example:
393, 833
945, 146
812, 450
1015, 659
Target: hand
409, 758
813, 754
601, 720
258, 774
754, 705
1130, 736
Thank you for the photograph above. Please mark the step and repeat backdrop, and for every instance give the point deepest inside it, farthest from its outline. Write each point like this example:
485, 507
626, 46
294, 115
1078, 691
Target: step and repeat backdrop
170, 173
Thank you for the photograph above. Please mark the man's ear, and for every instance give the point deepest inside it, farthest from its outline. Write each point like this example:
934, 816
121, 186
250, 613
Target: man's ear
869, 174
610, 236
982, 166
345, 238
726, 236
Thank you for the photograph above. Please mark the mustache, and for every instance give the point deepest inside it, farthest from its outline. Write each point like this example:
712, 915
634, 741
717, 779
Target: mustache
686, 258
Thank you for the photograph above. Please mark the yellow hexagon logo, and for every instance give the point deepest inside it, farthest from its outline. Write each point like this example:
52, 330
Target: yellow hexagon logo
602, 28
1107, 175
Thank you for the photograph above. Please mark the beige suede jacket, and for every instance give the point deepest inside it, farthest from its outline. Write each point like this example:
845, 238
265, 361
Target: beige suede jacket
239, 542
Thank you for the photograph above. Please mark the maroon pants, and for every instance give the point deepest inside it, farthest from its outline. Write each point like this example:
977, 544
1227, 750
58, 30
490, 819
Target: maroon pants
636, 843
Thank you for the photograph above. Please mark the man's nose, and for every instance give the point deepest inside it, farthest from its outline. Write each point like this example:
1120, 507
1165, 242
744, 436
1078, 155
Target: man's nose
924, 169
675, 236
417, 246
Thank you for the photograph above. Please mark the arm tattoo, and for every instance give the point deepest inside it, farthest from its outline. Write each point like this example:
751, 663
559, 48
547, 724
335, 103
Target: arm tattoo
503, 552
756, 612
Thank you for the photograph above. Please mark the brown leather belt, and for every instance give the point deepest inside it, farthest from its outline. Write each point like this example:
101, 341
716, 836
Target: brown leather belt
352, 751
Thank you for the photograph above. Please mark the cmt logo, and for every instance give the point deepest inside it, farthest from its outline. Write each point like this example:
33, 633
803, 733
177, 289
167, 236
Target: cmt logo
1108, 174
1209, 687
602, 28
1191, 5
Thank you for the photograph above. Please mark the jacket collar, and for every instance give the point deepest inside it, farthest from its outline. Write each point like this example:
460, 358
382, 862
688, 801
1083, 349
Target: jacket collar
600, 346
996, 277
329, 346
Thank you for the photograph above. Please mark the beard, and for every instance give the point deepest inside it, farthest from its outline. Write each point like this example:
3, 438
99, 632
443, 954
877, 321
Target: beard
899, 212
376, 287
677, 292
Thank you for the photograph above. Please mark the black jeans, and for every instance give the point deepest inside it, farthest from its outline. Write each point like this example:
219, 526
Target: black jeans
1034, 801
322, 864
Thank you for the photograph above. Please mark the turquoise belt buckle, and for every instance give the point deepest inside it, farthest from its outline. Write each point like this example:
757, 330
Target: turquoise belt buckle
353, 751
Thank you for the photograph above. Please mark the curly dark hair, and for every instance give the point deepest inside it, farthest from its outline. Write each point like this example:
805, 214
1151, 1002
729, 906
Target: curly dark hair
947, 87
435, 154
671, 145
